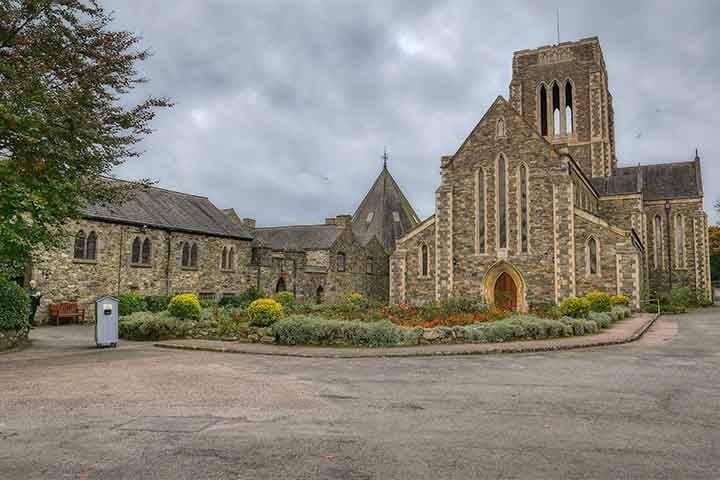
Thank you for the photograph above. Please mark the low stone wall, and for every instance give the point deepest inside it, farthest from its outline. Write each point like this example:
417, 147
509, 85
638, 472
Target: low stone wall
12, 338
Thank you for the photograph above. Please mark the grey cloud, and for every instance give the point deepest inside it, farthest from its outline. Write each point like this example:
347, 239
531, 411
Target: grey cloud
283, 107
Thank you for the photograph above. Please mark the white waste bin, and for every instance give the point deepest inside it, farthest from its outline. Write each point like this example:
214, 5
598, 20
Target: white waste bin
106, 321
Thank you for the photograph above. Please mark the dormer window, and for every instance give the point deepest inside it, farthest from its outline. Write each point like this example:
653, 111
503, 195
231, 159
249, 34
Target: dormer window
370, 217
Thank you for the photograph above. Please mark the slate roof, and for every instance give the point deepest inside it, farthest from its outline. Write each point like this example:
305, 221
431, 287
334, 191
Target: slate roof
168, 210
655, 182
298, 237
384, 213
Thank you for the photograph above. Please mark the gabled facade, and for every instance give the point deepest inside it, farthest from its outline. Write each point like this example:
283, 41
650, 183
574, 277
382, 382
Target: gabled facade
532, 208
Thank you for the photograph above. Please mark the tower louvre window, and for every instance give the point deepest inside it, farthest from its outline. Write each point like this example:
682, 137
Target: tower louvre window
568, 108
556, 109
543, 111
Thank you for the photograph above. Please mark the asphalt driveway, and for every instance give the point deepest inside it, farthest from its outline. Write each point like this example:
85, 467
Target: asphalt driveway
650, 409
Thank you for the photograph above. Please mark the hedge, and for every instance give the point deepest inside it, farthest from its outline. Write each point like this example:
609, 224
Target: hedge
599, 301
14, 307
308, 330
154, 326
130, 302
185, 306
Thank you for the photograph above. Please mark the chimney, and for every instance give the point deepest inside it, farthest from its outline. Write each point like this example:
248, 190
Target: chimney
330, 221
249, 223
343, 220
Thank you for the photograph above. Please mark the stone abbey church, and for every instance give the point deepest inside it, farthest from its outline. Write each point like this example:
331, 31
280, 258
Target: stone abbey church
532, 208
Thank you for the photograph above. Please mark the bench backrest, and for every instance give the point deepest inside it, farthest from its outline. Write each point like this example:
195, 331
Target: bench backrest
65, 307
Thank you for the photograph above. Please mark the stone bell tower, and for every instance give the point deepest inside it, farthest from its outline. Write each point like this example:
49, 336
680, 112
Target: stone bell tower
563, 91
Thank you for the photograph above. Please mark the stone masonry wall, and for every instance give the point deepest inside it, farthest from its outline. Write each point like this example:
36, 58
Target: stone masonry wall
415, 288
63, 278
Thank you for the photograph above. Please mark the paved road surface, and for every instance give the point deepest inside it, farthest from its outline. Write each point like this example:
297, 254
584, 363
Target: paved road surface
650, 410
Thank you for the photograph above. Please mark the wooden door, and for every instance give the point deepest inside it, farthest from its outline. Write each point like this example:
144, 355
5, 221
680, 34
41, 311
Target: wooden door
505, 292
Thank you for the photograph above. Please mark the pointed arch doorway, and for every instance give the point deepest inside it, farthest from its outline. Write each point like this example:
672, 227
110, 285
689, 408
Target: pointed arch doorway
505, 292
505, 287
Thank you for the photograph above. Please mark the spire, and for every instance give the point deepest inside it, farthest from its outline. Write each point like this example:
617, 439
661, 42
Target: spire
385, 158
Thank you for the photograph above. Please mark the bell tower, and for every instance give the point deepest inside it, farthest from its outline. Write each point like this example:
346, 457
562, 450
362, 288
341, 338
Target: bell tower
563, 91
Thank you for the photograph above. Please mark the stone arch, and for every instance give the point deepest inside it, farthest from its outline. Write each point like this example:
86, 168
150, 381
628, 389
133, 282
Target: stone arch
492, 276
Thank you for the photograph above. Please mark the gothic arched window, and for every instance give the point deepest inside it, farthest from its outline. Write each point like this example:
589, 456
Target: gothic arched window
480, 209
657, 240
500, 131
79, 251
194, 255
135, 251
680, 241
223, 262
340, 262
369, 265
91, 246
501, 202
568, 108
592, 252
424, 260
523, 208
185, 261
543, 111
231, 259
146, 256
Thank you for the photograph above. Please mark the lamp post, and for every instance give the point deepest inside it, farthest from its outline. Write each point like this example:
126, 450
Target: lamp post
669, 246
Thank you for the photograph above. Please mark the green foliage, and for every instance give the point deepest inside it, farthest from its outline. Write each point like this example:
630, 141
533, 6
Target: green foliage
243, 300
130, 302
153, 326
14, 307
603, 319
65, 119
599, 301
157, 303
621, 312
458, 305
208, 303
286, 299
263, 312
185, 306
308, 330
620, 299
575, 307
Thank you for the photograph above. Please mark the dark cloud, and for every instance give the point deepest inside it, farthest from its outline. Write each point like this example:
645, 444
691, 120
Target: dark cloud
283, 107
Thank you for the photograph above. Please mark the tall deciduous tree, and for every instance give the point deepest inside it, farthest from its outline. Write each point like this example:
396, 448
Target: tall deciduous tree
714, 236
63, 125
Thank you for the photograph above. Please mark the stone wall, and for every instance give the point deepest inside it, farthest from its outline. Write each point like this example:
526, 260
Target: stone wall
63, 278
12, 339
407, 283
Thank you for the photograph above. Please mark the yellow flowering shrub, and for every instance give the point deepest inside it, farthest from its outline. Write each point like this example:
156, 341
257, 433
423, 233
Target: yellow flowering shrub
621, 300
185, 306
263, 312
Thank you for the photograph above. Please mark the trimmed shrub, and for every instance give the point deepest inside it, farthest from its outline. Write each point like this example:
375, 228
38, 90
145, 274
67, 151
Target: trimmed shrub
185, 306
263, 312
157, 303
458, 305
129, 303
308, 330
603, 319
621, 312
621, 300
575, 307
599, 301
153, 326
286, 299
355, 298
14, 307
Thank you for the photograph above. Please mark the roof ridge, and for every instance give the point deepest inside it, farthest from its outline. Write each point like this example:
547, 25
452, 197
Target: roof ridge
298, 226
157, 188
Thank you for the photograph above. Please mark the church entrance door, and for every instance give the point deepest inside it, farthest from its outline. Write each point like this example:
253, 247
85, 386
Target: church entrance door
505, 292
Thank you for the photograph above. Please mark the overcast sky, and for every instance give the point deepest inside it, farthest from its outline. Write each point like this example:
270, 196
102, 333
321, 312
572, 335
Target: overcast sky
283, 107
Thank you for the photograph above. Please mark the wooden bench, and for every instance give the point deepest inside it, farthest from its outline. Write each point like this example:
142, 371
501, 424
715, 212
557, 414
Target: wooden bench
66, 310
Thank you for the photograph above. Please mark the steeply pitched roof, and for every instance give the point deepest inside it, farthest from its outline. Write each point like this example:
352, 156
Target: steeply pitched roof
384, 213
168, 210
298, 237
655, 182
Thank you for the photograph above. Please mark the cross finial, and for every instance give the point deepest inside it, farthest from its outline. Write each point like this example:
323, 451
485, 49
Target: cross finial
384, 157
